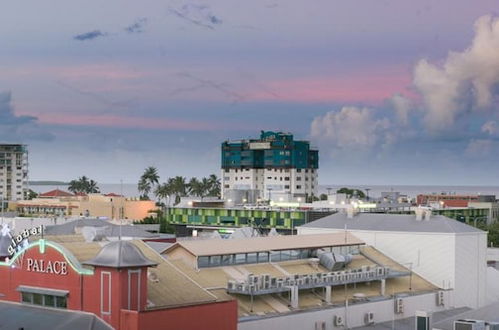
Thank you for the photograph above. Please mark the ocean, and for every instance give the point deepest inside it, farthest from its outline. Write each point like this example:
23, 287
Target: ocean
130, 190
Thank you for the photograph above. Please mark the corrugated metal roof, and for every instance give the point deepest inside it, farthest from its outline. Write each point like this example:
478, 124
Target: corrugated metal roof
392, 222
112, 230
260, 244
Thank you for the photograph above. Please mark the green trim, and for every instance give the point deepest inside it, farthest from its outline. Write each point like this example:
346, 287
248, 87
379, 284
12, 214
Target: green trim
41, 243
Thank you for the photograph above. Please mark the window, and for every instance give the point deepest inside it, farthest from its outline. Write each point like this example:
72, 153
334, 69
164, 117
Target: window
298, 178
298, 187
286, 178
286, 187
43, 300
203, 261
298, 170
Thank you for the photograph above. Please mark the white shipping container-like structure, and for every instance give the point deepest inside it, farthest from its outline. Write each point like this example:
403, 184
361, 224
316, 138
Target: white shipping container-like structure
446, 252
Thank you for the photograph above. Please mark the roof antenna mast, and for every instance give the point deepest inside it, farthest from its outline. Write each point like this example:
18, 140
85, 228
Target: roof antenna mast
121, 208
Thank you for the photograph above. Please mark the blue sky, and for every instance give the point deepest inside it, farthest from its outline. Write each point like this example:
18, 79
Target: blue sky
392, 92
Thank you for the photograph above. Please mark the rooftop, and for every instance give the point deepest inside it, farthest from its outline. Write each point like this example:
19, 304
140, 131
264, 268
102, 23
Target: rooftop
392, 222
110, 230
120, 254
22, 316
210, 247
167, 286
56, 193
487, 313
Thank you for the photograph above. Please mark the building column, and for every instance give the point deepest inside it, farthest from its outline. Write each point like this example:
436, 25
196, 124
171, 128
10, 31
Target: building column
294, 296
383, 285
328, 294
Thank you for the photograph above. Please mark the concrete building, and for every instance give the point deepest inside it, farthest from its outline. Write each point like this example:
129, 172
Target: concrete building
13, 172
63, 204
275, 165
446, 252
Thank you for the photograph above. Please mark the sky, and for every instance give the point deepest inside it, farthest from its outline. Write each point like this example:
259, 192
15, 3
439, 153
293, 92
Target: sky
390, 91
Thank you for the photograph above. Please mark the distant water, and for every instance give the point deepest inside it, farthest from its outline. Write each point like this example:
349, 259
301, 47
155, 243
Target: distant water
130, 190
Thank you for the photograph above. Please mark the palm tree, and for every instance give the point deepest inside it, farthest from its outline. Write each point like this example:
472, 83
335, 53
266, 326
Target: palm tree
214, 185
92, 187
205, 187
83, 185
195, 187
163, 191
179, 187
148, 180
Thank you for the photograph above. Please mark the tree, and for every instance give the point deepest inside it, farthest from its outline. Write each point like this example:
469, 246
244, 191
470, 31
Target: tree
83, 185
30, 194
163, 191
195, 188
351, 192
323, 197
179, 187
147, 181
214, 186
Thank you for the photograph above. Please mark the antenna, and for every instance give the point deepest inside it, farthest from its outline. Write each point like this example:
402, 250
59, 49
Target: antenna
119, 213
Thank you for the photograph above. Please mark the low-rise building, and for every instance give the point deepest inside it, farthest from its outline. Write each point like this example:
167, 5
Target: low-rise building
446, 252
63, 204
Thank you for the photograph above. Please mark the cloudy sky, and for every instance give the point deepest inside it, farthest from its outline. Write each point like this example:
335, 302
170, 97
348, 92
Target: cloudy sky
390, 91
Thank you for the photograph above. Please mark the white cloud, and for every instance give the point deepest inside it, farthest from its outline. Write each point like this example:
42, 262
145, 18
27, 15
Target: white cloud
464, 82
491, 128
402, 105
481, 148
351, 127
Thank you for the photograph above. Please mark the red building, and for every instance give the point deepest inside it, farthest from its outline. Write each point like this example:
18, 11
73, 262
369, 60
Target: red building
126, 284
447, 200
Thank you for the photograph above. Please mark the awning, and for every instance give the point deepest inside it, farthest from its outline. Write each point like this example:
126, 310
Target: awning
34, 289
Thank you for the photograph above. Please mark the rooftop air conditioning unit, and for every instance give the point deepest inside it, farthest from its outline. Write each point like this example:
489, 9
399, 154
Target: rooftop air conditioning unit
231, 285
338, 321
369, 318
399, 306
380, 271
440, 298
469, 325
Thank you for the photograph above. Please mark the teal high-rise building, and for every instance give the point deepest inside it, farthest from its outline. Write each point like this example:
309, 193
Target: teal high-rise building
275, 165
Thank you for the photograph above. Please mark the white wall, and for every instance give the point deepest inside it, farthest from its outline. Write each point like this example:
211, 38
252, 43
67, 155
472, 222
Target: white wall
383, 311
447, 260
471, 269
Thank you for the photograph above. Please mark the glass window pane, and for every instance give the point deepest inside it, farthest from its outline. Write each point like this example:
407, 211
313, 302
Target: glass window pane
251, 258
275, 256
49, 301
215, 260
263, 257
61, 302
37, 299
240, 258
203, 262
285, 255
27, 297
227, 259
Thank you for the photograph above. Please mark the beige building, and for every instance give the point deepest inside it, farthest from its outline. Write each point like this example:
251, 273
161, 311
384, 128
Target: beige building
61, 203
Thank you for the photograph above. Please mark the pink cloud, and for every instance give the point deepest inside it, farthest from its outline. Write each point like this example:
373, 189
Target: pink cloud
124, 122
367, 86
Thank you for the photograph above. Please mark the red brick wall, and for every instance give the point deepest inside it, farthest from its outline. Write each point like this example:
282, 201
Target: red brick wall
213, 316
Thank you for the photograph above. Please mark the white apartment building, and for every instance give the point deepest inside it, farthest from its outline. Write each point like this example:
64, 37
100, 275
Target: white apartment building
13, 172
278, 167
